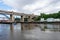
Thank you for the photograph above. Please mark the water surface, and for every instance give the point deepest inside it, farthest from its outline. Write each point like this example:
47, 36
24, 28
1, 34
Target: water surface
30, 32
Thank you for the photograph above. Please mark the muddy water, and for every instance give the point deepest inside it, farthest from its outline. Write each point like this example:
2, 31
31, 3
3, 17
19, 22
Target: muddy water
30, 32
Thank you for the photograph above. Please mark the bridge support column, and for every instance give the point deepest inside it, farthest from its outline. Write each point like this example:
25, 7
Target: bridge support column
11, 18
22, 18
29, 19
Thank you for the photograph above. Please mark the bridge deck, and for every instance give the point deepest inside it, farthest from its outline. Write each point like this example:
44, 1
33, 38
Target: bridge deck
15, 13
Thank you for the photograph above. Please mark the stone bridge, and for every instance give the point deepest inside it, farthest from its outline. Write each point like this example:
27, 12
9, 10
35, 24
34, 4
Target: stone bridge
23, 15
12, 19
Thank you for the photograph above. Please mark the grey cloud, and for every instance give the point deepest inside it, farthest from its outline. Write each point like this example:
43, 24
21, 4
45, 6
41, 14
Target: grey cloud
48, 8
52, 5
24, 2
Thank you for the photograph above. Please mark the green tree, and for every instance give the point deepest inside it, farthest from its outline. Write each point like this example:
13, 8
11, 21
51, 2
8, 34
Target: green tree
17, 19
45, 16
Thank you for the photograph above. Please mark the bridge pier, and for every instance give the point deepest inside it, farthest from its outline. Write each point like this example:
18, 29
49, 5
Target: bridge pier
29, 18
11, 18
22, 18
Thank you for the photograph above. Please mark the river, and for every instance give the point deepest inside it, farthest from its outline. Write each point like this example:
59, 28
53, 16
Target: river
30, 32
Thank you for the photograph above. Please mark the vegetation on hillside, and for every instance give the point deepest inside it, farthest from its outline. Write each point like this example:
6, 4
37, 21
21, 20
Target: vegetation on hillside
45, 16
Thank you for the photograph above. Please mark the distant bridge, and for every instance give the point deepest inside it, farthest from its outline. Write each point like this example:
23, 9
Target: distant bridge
11, 20
23, 16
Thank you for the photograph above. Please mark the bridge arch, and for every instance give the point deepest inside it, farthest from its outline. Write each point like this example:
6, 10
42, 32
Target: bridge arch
5, 15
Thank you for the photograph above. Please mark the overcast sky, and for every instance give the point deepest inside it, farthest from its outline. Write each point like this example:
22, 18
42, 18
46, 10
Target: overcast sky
31, 6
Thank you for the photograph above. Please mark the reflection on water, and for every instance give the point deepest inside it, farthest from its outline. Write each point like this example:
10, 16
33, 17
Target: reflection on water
30, 32
50, 27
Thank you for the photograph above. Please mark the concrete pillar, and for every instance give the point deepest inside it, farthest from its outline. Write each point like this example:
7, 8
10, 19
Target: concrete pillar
29, 18
11, 18
22, 18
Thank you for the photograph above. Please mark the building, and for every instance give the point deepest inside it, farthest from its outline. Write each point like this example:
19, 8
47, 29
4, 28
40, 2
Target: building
50, 20
53, 20
42, 20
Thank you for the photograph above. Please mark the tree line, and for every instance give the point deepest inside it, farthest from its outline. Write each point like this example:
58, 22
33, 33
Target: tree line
45, 16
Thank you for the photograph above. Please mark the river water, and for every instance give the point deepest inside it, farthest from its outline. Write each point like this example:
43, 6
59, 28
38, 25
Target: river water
30, 32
